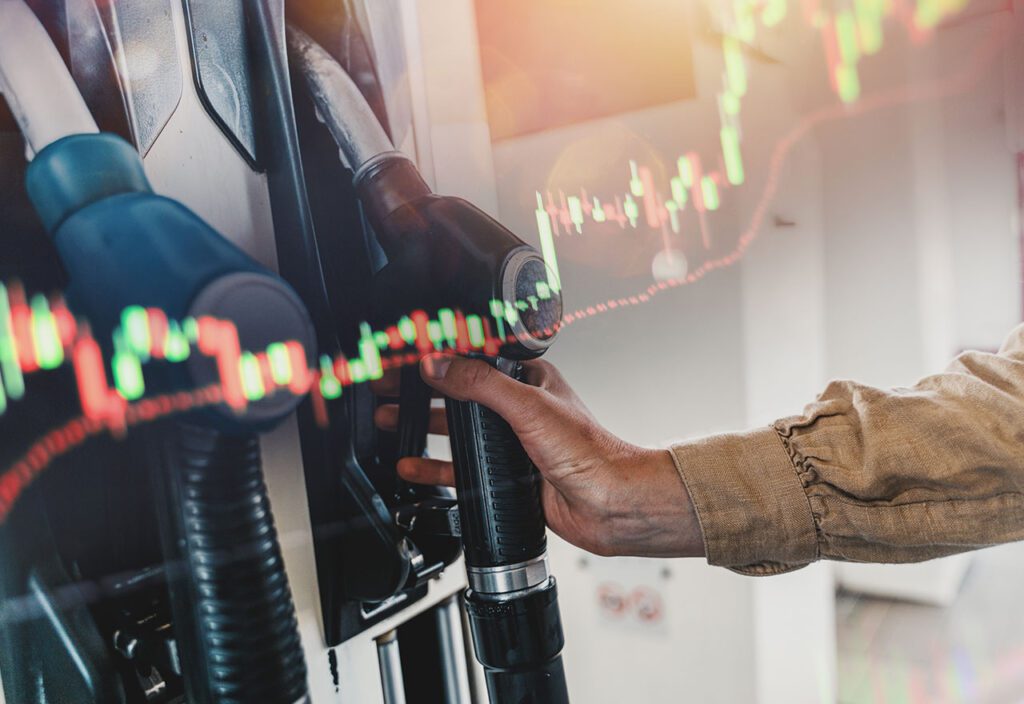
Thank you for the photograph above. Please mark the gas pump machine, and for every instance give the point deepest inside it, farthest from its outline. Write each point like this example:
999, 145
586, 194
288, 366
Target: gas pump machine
211, 247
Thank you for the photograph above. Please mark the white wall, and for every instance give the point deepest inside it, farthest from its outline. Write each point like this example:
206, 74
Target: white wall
922, 255
981, 196
459, 137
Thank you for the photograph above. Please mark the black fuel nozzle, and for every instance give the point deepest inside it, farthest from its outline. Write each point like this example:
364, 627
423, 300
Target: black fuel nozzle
456, 255
444, 253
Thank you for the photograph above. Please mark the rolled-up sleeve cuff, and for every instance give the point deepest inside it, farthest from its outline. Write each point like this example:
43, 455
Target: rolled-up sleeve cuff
751, 504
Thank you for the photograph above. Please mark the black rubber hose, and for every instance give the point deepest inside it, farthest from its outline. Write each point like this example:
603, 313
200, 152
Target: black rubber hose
234, 618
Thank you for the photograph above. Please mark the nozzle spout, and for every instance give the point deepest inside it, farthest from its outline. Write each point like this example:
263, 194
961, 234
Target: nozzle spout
38, 87
339, 103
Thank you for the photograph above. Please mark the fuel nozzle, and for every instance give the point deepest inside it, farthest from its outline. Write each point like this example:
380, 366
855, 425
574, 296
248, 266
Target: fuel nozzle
444, 252
448, 252
126, 247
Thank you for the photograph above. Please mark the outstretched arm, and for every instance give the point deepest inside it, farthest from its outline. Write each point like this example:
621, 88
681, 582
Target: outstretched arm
864, 474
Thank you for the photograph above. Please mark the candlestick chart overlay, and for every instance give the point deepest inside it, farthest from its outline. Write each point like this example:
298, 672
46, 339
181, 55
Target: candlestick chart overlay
38, 333
849, 33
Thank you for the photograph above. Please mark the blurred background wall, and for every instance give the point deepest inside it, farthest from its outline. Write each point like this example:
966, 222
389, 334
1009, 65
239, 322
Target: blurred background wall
887, 240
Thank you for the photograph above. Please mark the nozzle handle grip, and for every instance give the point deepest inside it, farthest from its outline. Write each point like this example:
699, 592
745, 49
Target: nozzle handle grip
497, 484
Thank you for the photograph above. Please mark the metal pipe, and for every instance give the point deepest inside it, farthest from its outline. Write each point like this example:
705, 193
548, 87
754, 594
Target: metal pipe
390, 660
339, 103
453, 652
38, 87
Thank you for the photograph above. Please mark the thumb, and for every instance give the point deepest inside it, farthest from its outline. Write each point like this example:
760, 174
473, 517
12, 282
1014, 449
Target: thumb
473, 380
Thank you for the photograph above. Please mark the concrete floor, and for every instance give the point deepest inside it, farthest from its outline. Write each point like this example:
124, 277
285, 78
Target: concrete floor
901, 653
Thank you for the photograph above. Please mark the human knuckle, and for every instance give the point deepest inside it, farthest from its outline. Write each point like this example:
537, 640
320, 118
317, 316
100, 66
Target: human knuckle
476, 374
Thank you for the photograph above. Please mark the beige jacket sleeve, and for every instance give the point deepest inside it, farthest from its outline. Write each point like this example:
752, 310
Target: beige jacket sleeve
870, 475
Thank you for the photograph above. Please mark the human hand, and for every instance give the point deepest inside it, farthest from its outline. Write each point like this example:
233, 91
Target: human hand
599, 492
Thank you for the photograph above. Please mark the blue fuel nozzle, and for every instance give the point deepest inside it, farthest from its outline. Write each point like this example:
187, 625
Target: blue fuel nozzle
125, 246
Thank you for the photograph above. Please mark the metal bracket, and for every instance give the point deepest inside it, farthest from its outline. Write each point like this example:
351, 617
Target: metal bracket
138, 40
220, 65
